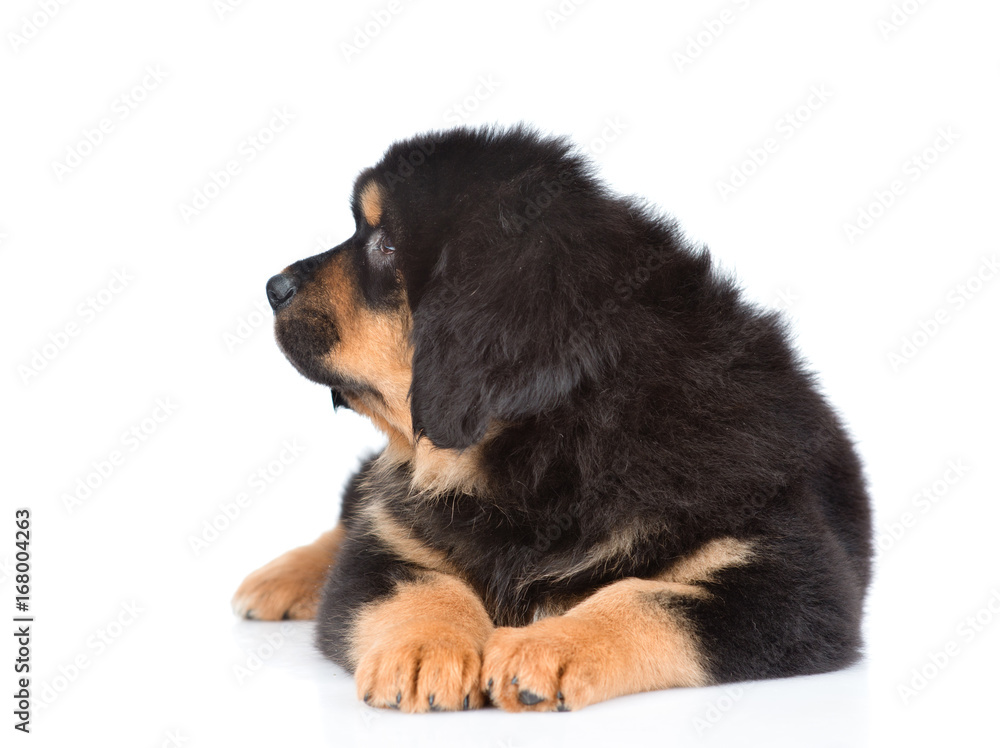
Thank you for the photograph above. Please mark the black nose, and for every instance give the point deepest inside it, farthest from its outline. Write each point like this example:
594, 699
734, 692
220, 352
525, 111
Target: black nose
280, 290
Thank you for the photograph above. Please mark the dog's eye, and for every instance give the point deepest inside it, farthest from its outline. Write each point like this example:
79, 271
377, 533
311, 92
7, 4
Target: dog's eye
385, 245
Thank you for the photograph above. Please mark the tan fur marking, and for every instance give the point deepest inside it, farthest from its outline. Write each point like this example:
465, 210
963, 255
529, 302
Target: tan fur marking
618, 641
425, 640
372, 198
402, 543
606, 554
556, 607
441, 470
712, 557
374, 348
698, 567
290, 585
435, 471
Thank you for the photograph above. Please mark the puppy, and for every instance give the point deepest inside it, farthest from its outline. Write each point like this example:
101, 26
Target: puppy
605, 471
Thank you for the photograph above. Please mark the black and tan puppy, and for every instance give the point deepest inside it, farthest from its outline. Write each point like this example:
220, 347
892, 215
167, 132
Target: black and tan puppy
605, 472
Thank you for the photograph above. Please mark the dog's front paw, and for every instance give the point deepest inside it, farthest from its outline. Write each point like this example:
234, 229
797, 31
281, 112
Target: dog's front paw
420, 671
287, 588
555, 665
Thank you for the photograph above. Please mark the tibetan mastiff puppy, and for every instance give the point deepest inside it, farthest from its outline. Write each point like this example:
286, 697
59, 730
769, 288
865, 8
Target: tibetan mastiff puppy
606, 472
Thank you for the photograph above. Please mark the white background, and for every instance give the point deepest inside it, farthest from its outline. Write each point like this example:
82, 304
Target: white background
171, 672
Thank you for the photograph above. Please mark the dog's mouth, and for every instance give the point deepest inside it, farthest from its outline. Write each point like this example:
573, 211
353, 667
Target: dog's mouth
339, 401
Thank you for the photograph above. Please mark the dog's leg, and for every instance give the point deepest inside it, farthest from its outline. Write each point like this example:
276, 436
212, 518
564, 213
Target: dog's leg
421, 648
625, 638
289, 587
416, 646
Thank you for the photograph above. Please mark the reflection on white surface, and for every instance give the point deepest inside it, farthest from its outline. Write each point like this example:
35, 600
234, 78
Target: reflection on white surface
817, 710
213, 680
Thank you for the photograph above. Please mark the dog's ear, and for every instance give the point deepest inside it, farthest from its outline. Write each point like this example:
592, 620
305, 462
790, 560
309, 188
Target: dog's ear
510, 320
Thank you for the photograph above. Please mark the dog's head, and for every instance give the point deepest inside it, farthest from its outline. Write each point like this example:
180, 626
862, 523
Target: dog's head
465, 299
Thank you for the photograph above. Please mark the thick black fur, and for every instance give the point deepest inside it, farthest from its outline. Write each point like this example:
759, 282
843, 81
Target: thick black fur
635, 392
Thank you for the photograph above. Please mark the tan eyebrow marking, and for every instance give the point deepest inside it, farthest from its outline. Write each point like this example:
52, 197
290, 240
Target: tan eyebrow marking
371, 203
